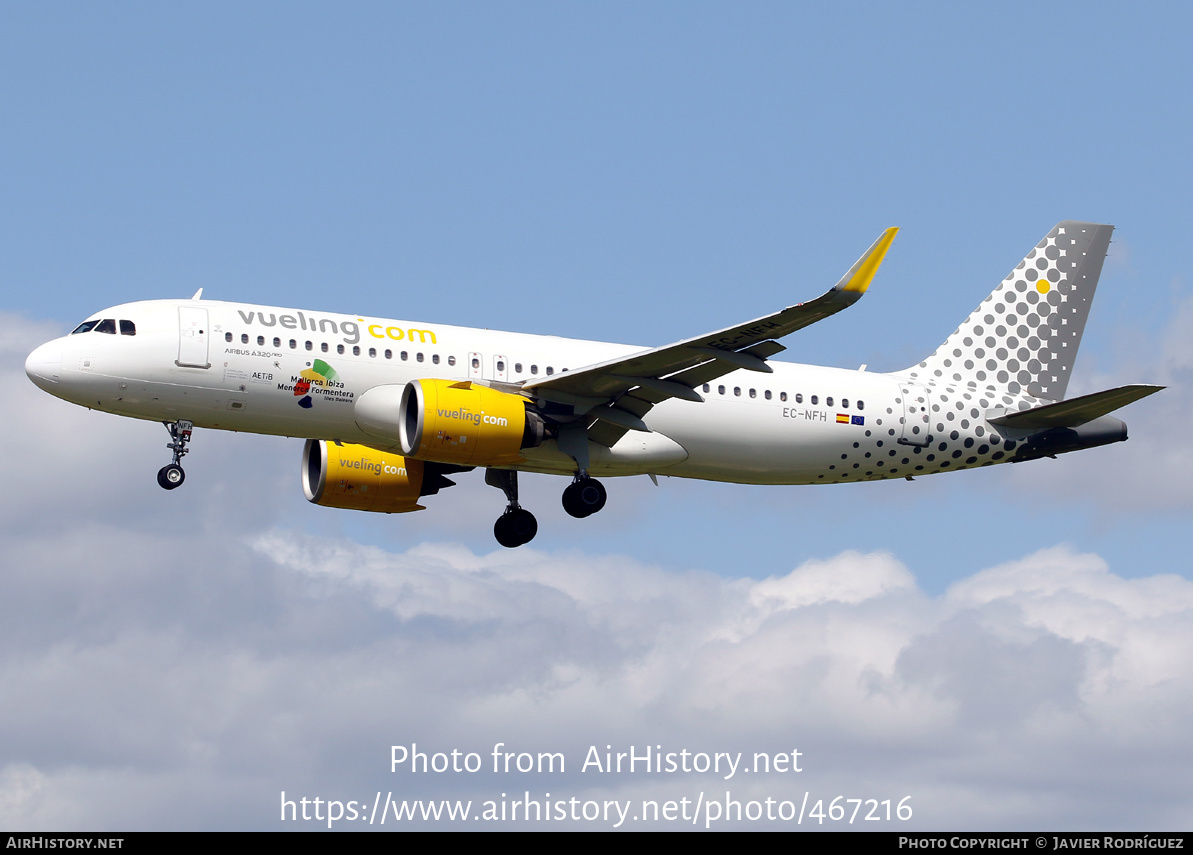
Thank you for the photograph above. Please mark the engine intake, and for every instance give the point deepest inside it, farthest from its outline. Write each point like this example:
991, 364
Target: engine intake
465, 423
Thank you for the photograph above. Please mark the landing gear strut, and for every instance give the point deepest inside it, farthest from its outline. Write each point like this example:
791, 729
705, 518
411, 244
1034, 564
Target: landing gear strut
584, 496
171, 475
517, 526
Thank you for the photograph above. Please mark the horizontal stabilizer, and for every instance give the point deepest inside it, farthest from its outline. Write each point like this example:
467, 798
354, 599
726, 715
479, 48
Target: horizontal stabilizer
1076, 411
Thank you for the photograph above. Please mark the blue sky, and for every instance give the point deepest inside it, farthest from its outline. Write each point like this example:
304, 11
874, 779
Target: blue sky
626, 172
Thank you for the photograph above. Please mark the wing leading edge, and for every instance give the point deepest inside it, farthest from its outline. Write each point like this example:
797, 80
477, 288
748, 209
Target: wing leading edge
619, 392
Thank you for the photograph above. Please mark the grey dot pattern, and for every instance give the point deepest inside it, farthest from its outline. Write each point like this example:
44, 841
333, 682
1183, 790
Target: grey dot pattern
1023, 338
1014, 352
960, 439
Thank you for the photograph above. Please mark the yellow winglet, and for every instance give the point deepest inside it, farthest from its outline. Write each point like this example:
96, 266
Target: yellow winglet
862, 273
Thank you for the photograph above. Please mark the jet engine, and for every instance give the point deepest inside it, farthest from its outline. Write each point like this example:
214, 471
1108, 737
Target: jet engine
360, 478
466, 424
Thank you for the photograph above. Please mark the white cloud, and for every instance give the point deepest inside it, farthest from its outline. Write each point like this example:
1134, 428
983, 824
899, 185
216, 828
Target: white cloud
178, 662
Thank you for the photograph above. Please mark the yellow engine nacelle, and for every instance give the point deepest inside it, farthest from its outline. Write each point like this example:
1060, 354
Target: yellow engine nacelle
464, 423
360, 478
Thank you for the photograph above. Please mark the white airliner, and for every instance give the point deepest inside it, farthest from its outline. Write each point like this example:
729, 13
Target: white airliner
390, 408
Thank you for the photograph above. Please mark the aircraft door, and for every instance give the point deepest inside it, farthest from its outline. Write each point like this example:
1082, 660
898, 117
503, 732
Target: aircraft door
475, 366
192, 337
500, 368
917, 414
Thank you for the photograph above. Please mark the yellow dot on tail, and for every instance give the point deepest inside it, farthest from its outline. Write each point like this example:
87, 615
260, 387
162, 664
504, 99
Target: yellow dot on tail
1042, 286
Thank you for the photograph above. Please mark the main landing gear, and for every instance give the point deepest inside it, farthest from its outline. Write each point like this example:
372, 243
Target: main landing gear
171, 475
584, 496
517, 526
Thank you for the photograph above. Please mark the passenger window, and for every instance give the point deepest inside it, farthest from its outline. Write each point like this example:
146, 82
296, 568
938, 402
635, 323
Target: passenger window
356, 350
372, 353
107, 325
405, 356
550, 370
419, 356
260, 341
293, 344
339, 349
389, 354
435, 358
476, 363
720, 390
128, 328
228, 336
845, 403
706, 387
517, 367
277, 342
815, 399
500, 364
753, 394
310, 346
861, 405
799, 397
323, 347
451, 360
737, 391
88, 326
767, 394
783, 396
828, 402
534, 369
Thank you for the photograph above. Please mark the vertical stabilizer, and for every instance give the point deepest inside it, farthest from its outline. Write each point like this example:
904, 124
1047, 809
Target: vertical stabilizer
1023, 338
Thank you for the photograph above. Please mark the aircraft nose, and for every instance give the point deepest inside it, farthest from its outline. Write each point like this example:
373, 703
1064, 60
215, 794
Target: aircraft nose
44, 364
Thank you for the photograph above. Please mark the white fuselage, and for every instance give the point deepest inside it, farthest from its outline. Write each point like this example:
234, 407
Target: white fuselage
239, 367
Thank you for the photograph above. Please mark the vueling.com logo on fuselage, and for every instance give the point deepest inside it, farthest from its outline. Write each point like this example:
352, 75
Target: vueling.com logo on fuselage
466, 415
349, 330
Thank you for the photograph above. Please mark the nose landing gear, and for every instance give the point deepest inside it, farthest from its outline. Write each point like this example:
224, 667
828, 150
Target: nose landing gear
171, 475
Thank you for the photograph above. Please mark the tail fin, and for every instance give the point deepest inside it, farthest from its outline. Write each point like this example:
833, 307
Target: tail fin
1023, 338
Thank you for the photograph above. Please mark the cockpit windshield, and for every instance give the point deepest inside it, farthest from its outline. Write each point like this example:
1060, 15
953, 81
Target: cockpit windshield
107, 325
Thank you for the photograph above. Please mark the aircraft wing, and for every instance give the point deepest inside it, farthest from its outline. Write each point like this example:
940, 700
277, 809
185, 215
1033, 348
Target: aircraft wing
619, 392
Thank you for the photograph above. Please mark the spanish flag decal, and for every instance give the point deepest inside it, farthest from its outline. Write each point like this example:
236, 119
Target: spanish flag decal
842, 419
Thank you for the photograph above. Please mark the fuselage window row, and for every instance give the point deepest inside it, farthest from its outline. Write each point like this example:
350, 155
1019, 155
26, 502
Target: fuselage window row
799, 398
127, 328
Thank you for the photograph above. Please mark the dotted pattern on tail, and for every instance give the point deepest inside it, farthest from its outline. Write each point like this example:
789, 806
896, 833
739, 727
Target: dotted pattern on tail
1023, 338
